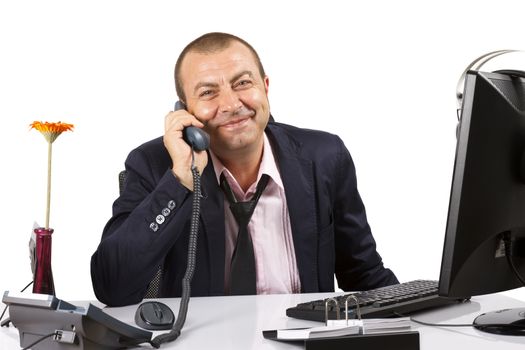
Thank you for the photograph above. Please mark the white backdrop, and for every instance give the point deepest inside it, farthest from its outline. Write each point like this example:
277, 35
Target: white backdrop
381, 74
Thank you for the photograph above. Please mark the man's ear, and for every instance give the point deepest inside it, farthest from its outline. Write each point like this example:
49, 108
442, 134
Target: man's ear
266, 84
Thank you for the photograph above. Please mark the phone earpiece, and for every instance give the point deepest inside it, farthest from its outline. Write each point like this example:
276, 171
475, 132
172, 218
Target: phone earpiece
197, 138
179, 105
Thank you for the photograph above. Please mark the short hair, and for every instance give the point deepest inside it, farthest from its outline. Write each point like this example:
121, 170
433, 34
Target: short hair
211, 43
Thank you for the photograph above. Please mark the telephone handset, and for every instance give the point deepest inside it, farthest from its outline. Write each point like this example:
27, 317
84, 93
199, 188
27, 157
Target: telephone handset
197, 138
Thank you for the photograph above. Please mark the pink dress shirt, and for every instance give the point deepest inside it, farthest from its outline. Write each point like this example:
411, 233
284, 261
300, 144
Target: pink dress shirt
269, 228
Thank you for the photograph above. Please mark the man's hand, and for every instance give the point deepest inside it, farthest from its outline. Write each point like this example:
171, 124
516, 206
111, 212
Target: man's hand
179, 150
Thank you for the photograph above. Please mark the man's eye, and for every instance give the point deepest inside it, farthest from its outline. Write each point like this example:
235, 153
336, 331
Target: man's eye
206, 93
243, 83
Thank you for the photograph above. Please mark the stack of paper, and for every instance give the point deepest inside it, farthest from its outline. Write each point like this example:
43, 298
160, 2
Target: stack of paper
382, 325
375, 325
317, 332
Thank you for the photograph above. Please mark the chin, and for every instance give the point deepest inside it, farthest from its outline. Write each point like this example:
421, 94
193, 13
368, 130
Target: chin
238, 143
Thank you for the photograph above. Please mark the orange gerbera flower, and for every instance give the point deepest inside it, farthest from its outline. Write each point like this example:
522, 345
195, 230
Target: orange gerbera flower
51, 130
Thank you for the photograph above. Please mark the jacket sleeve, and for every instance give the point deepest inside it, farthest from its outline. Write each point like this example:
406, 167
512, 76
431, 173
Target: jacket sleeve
147, 220
358, 265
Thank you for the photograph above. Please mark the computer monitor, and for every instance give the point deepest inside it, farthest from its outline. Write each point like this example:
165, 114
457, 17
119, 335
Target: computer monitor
487, 199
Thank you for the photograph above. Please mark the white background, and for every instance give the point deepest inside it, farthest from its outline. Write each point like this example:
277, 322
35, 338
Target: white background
381, 74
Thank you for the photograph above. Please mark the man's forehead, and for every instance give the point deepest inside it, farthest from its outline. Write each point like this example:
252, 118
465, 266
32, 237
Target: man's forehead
233, 55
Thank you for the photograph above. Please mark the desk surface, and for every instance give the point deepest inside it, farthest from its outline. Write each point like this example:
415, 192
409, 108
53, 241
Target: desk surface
238, 322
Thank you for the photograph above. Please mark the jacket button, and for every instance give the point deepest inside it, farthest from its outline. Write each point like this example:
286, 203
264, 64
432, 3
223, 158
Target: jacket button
171, 205
154, 227
160, 219
166, 212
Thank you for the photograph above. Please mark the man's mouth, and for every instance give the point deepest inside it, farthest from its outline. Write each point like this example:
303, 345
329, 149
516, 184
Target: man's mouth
238, 119
235, 123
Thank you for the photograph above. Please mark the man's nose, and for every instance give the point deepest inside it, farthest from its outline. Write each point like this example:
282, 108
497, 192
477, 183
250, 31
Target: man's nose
229, 102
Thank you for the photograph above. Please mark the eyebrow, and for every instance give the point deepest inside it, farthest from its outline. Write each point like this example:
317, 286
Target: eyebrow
204, 84
215, 85
237, 76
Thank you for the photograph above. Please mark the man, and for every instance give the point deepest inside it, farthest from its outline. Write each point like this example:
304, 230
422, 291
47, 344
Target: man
308, 224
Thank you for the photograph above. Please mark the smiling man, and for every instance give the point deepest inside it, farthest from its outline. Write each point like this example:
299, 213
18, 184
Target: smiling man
306, 222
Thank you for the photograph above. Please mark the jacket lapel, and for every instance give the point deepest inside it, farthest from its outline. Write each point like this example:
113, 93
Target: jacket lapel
298, 179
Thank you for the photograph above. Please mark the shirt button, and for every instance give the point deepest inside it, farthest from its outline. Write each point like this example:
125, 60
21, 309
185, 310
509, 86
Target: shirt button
160, 219
154, 227
166, 212
171, 205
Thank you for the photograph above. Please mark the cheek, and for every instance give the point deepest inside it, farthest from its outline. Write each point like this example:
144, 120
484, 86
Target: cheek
205, 113
254, 98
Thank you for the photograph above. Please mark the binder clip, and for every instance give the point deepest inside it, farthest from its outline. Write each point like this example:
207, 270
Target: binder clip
337, 322
338, 315
358, 322
326, 304
357, 308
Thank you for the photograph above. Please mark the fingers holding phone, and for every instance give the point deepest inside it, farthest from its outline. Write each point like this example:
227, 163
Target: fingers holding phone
179, 149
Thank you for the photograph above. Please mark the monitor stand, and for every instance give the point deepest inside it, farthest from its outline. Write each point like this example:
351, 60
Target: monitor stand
505, 322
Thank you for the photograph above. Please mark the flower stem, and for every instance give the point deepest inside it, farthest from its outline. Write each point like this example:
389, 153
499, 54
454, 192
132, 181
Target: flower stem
48, 205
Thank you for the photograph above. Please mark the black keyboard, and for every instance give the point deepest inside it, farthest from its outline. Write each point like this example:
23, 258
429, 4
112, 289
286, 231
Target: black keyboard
389, 301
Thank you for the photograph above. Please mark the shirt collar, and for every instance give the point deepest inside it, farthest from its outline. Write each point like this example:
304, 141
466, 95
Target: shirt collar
268, 166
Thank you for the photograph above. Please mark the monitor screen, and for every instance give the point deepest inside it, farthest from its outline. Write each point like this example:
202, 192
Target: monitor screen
487, 199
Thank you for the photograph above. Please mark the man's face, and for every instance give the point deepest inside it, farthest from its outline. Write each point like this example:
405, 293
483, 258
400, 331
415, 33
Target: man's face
226, 92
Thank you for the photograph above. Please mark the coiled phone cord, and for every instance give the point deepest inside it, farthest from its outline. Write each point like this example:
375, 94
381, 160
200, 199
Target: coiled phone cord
192, 252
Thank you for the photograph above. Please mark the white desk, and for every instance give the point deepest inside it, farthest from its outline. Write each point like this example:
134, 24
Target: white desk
238, 322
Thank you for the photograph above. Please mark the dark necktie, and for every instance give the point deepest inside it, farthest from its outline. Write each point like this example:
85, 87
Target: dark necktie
242, 272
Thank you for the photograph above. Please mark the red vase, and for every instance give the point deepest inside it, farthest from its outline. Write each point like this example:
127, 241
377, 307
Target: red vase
43, 276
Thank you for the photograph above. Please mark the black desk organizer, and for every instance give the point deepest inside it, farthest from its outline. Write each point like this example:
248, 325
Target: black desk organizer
376, 341
401, 340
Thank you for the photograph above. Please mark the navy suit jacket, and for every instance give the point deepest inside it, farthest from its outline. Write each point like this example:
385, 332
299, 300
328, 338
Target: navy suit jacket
330, 231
